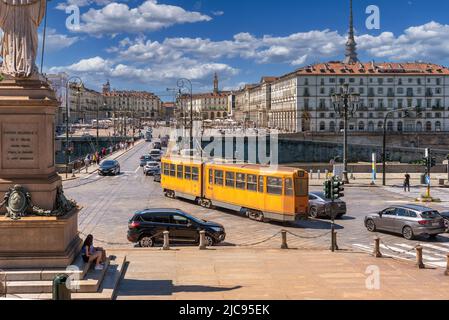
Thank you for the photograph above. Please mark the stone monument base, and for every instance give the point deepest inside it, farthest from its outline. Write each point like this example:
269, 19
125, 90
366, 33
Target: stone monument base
39, 242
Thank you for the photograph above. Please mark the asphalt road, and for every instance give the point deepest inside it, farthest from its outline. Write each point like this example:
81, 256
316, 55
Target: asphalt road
109, 202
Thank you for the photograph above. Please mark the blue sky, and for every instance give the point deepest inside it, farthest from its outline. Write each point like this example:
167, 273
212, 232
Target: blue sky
148, 45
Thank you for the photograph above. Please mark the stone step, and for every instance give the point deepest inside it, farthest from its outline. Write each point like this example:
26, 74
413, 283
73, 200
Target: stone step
89, 284
106, 291
79, 269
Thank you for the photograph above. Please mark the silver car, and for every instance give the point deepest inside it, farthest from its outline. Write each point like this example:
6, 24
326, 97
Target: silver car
409, 220
320, 206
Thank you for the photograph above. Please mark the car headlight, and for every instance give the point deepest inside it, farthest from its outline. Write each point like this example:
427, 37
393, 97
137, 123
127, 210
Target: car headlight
217, 229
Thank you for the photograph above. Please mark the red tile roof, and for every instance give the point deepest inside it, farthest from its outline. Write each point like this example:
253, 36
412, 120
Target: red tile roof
370, 68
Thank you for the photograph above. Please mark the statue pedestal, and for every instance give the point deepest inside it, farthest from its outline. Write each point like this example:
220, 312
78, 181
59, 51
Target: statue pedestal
39, 242
27, 158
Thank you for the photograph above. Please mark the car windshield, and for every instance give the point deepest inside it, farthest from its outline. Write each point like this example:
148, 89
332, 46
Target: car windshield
430, 214
197, 220
152, 164
108, 163
320, 195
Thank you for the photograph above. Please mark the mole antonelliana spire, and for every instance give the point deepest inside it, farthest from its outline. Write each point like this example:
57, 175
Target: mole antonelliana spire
351, 45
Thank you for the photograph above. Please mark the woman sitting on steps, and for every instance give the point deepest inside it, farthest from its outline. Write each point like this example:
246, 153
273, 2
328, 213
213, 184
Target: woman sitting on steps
89, 253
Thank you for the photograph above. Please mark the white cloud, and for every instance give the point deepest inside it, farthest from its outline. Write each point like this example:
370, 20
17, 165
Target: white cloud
428, 41
116, 18
55, 41
83, 3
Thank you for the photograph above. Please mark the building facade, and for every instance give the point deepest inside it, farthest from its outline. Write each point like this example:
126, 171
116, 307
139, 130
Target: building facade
301, 101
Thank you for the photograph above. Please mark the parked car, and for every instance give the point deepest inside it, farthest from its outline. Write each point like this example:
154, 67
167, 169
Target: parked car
445, 216
320, 206
109, 167
144, 160
146, 228
156, 155
409, 220
151, 168
157, 176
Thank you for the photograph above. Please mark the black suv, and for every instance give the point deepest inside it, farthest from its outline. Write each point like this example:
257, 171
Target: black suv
147, 226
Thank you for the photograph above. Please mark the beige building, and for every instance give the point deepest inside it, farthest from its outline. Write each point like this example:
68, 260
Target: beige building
137, 104
206, 106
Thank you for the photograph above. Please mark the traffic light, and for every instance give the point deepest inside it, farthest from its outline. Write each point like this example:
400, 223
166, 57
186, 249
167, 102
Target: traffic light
328, 189
337, 189
425, 162
433, 162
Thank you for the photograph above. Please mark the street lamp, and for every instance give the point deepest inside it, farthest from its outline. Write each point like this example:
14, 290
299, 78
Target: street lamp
67, 159
345, 104
186, 83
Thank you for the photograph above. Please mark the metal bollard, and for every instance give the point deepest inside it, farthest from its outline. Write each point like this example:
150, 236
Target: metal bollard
203, 240
73, 173
335, 241
447, 266
419, 261
166, 241
319, 174
377, 252
284, 239
60, 290
334, 245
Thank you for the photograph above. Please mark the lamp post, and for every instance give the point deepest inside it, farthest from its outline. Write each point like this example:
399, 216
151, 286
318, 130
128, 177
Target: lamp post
384, 142
186, 83
345, 104
67, 159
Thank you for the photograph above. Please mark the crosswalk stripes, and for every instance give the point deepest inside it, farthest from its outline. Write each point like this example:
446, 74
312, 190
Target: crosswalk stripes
433, 254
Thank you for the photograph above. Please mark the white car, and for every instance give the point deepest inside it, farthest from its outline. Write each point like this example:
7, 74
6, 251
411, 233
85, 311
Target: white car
151, 167
156, 155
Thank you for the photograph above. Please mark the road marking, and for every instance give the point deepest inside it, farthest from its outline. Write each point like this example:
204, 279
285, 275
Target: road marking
362, 246
425, 246
408, 253
137, 170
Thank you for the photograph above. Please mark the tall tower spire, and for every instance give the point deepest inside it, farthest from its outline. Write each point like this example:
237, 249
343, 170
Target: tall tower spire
351, 45
215, 83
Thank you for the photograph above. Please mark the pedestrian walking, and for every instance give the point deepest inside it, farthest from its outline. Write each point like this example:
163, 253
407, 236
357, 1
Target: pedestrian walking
87, 162
407, 182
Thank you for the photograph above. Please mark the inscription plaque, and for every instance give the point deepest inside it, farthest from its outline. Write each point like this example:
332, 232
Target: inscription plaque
20, 146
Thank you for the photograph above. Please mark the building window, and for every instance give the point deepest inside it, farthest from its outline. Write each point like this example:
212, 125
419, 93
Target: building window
400, 126
380, 125
332, 126
361, 126
371, 126
322, 126
419, 126
390, 126
438, 126
428, 126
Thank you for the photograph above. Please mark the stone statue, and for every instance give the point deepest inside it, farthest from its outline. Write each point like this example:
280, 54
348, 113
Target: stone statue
19, 20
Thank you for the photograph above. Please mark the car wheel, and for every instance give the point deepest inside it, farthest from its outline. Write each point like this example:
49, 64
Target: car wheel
407, 233
370, 226
146, 242
313, 212
209, 241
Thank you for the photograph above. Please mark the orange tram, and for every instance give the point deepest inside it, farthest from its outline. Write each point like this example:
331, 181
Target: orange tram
260, 192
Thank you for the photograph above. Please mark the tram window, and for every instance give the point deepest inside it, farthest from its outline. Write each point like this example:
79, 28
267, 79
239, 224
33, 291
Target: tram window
180, 173
261, 185
274, 185
230, 179
187, 173
252, 183
195, 174
166, 169
211, 176
218, 177
301, 187
288, 187
172, 170
241, 181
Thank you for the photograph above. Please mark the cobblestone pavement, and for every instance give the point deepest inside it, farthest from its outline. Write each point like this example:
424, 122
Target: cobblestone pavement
109, 202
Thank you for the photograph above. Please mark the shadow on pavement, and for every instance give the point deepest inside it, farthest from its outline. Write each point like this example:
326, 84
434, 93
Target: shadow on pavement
132, 287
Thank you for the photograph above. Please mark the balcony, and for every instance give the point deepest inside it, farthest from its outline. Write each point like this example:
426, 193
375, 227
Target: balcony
438, 108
